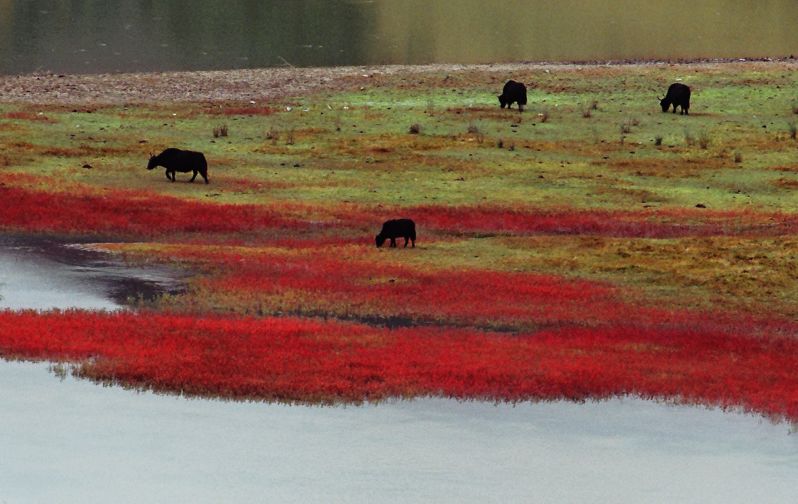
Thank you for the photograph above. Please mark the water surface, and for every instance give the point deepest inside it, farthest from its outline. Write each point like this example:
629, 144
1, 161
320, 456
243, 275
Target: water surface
136, 35
76, 442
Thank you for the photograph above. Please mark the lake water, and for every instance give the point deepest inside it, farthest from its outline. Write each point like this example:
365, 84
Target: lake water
140, 35
72, 441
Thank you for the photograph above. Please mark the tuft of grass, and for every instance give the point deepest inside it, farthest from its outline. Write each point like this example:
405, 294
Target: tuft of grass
703, 139
414, 129
477, 133
658, 140
689, 139
500, 143
738, 157
289, 137
793, 129
220, 131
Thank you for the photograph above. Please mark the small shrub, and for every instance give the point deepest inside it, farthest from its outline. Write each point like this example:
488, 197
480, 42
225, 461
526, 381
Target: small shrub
220, 131
658, 140
626, 128
500, 143
474, 130
414, 129
703, 140
688, 137
587, 113
738, 157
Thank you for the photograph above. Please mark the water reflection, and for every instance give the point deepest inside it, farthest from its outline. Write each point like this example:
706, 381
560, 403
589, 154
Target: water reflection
95, 35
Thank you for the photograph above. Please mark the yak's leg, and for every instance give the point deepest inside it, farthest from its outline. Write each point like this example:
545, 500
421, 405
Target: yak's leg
194, 176
414, 242
167, 175
393, 242
406, 240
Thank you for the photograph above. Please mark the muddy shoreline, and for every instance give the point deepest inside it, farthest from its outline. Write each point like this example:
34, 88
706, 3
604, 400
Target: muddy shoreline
258, 85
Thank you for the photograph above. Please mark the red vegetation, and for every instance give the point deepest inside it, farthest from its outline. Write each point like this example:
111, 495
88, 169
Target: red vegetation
27, 116
361, 287
115, 213
294, 359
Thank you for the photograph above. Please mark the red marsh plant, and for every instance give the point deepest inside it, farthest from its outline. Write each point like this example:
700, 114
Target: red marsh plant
290, 359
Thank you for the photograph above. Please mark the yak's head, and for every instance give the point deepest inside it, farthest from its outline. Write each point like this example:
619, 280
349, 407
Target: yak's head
664, 104
379, 239
501, 100
153, 162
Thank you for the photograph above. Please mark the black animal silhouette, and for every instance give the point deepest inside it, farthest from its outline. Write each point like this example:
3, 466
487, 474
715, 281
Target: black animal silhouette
678, 95
513, 92
397, 228
183, 161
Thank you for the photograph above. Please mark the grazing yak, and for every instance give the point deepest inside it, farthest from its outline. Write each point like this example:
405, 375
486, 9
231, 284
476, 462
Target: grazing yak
397, 228
183, 161
513, 92
678, 95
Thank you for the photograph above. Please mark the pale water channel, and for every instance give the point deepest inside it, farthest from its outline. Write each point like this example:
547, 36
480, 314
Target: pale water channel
91, 36
71, 440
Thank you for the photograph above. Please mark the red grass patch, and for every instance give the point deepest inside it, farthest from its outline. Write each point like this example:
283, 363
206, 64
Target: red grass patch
294, 359
27, 116
116, 213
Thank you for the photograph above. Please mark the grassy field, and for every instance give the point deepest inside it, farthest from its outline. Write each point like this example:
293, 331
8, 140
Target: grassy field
590, 211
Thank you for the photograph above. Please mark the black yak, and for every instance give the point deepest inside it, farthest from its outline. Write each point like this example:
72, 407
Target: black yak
183, 161
513, 92
397, 228
678, 95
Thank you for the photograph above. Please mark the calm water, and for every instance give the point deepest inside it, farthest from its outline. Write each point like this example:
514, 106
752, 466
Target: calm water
137, 35
76, 442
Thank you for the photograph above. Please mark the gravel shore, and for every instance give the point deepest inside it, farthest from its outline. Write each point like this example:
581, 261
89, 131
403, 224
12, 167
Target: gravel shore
260, 84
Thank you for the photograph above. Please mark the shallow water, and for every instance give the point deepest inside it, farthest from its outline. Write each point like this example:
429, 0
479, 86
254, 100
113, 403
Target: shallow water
74, 441
44, 274
140, 35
